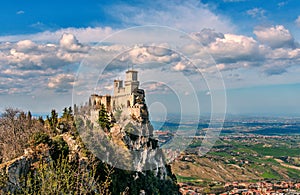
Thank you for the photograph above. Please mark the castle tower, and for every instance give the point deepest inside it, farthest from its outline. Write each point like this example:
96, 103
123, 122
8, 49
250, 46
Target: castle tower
118, 85
131, 82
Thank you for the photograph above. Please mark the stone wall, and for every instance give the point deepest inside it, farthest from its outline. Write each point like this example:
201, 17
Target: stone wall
122, 101
96, 101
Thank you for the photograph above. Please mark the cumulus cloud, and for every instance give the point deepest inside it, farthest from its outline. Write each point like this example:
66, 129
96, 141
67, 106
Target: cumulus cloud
275, 36
33, 63
69, 42
62, 83
146, 54
207, 36
51, 65
179, 66
233, 48
26, 45
29, 55
10, 86
274, 51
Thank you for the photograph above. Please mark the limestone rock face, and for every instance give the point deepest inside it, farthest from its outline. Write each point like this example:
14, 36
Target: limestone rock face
128, 143
14, 170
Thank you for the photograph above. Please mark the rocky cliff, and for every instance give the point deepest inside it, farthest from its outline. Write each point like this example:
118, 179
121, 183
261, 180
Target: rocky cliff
14, 172
127, 144
123, 140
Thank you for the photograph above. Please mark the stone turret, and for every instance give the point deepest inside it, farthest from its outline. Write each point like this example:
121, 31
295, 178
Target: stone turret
118, 87
126, 96
131, 82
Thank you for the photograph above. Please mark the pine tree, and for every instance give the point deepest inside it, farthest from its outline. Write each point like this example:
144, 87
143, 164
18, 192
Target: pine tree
53, 120
29, 115
70, 113
103, 119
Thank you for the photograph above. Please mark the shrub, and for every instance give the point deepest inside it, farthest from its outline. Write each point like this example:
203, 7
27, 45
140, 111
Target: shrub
64, 177
39, 138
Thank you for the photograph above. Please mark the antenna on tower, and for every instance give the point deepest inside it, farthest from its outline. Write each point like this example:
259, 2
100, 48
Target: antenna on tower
127, 66
132, 66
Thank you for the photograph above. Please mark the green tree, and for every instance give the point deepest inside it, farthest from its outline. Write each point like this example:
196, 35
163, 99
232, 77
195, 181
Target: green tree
63, 177
68, 114
65, 113
70, 111
29, 115
41, 120
53, 120
103, 119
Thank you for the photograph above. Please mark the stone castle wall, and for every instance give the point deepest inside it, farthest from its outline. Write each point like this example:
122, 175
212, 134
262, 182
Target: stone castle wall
123, 97
96, 101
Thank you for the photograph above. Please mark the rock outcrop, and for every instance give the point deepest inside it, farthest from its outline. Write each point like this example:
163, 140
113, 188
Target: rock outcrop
14, 170
128, 144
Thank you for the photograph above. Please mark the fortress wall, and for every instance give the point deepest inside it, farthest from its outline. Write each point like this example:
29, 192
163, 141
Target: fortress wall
122, 101
123, 97
106, 101
97, 100
119, 91
94, 115
136, 111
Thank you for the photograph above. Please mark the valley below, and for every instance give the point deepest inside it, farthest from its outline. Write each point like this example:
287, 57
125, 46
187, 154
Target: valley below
243, 158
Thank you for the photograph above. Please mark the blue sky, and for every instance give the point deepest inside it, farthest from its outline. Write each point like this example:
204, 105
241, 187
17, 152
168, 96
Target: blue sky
254, 43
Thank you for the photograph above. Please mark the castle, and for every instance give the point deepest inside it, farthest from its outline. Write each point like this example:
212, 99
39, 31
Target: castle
126, 95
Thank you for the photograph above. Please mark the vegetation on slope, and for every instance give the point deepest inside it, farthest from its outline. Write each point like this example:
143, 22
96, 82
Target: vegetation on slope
54, 165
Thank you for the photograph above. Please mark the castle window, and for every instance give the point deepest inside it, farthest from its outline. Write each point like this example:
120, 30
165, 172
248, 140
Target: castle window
128, 103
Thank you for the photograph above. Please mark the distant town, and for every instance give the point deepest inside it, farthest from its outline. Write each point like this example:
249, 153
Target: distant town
252, 156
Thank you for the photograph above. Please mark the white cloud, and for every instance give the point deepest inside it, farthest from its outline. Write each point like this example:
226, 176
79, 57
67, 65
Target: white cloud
257, 13
275, 52
28, 55
275, 36
20, 12
85, 35
233, 48
179, 66
69, 42
34, 62
61, 83
146, 54
190, 15
26, 45
156, 88
207, 36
